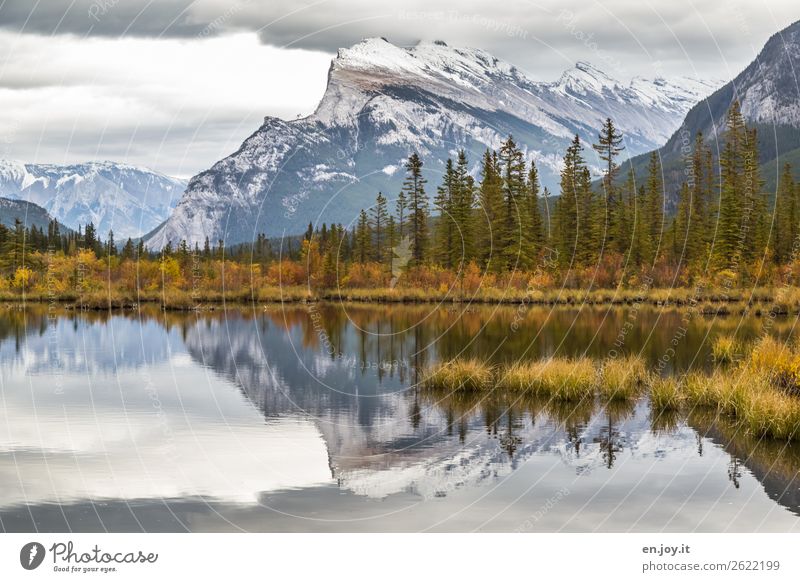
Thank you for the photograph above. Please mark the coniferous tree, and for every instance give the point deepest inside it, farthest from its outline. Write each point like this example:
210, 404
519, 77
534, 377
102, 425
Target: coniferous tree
446, 229
608, 147
516, 246
414, 188
491, 205
463, 212
653, 211
363, 238
787, 216
379, 220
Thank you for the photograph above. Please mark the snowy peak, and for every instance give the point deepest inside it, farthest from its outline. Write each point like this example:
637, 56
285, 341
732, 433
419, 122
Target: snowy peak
585, 78
127, 199
383, 101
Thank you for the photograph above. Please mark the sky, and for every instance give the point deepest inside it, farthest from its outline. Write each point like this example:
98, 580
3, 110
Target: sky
175, 85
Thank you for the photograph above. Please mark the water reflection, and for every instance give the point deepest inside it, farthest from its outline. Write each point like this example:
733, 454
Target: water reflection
107, 418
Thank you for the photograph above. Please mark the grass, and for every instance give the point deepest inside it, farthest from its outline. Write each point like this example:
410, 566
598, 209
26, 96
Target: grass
757, 393
780, 301
460, 374
559, 378
725, 349
622, 378
665, 395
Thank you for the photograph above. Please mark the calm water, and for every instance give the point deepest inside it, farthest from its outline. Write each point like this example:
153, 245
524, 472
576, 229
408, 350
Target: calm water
308, 419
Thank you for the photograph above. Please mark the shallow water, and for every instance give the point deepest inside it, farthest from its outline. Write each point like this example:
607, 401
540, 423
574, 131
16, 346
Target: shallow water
308, 418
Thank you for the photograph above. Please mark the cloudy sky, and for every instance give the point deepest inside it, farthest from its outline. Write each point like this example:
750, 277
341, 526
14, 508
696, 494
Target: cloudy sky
177, 84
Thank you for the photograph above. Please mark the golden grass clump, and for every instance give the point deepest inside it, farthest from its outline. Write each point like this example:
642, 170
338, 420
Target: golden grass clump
621, 379
560, 378
460, 374
666, 394
778, 362
725, 348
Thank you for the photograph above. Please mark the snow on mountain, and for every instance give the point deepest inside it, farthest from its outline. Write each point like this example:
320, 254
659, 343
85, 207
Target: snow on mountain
769, 96
384, 101
128, 199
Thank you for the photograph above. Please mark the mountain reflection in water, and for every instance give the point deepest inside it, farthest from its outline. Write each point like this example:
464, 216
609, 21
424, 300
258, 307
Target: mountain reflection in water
310, 418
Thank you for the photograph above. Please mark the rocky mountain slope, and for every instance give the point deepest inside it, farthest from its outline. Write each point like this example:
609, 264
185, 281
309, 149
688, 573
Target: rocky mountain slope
768, 91
384, 101
128, 199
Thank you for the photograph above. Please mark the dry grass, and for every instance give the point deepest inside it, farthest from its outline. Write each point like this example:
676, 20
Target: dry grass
460, 374
622, 379
559, 378
665, 394
725, 349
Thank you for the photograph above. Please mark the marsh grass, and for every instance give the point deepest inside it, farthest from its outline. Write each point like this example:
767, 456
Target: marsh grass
565, 379
622, 378
756, 393
726, 349
460, 374
665, 395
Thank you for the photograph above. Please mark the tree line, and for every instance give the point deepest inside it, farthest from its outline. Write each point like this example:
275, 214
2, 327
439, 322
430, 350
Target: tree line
495, 223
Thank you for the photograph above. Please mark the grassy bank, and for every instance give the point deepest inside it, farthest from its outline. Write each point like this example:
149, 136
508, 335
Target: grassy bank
762, 301
759, 391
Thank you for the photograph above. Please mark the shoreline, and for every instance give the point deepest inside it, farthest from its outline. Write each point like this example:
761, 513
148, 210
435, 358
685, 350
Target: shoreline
759, 302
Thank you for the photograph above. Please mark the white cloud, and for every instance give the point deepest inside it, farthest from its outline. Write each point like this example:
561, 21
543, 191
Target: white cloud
174, 105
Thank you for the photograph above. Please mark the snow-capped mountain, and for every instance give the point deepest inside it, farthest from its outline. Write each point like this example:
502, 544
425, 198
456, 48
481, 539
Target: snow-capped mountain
128, 199
28, 213
384, 101
769, 95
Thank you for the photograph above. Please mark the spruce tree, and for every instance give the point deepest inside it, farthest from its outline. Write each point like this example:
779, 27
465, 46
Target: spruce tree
491, 216
608, 147
414, 188
380, 218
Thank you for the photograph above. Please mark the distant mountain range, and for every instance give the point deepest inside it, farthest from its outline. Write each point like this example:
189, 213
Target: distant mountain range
128, 199
768, 91
28, 213
383, 102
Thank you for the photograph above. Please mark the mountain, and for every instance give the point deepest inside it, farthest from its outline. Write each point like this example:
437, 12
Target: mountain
29, 213
127, 199
384, 101
767, 90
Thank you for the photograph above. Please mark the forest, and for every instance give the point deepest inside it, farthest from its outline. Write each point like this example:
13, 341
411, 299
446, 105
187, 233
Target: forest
498, 235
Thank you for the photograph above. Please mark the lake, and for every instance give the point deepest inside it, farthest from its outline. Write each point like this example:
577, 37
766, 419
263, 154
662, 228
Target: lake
309, 418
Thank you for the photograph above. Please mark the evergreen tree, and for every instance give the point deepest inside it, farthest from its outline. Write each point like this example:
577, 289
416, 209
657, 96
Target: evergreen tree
491, 203
380, 218
414, 188
446, 231
653, 211
516, 246
463, 212
608, 147
363, 238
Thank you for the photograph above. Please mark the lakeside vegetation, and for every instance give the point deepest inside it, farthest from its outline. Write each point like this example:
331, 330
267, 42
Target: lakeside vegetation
760, 392
495, 238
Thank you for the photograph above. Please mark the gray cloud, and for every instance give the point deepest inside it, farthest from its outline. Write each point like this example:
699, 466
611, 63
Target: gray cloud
178, 105
543, 37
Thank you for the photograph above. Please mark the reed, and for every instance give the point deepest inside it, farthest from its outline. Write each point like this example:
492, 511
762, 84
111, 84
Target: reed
460, 374
725, 349
666, 394
560, 378
622, 378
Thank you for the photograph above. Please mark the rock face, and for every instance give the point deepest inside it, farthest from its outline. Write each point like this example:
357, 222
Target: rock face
128, 199
769, 95
381, 103
28, 213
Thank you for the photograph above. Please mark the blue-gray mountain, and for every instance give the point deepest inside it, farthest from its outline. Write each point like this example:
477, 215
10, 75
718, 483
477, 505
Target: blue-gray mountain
381, 103
128, 199
28, 213
769, 96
